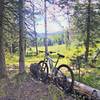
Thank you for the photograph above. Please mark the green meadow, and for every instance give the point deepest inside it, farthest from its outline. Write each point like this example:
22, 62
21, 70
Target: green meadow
90, 76
30, 56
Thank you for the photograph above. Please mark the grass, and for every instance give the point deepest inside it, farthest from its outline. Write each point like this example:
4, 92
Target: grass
92, 78
32, 58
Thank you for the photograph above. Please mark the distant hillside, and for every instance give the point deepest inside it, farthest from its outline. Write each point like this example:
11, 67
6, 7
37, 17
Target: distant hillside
49, 34
53, 38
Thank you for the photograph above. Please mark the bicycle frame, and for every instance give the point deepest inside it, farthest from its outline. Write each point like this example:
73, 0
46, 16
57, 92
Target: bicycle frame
56, 74
50, 62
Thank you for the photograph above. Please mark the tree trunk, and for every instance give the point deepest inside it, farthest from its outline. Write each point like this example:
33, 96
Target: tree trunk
25, 46
36, 43
93, 93
88, 31
2, 54
11, 50
21, 38
35, 33
68, 29
45, 20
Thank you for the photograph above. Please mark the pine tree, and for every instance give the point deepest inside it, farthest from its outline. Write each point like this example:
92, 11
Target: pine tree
2, 54
21, 38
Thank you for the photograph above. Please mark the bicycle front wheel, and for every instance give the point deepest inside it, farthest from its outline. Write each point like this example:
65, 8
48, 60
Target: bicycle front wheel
43, 71
65, 78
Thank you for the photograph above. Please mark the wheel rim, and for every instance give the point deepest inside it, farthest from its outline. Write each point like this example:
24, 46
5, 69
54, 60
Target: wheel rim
43, 71
64, 78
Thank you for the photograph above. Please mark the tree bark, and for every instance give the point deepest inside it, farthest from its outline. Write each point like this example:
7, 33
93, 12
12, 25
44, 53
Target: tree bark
35, 33
88, 31
21, 38
68, 28
87, 90
45, 20
2, 53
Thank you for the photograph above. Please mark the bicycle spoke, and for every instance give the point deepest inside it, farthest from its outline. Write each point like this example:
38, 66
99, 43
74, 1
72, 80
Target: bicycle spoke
65, 76
43, 71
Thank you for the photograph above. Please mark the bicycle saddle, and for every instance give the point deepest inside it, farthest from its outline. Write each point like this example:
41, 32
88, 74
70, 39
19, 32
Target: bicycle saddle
60, 55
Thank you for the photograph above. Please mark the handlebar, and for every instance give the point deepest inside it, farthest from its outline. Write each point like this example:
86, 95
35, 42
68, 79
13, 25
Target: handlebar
51, 52
47, 52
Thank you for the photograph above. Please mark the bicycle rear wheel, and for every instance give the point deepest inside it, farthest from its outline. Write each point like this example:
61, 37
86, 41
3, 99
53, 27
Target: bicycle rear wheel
43, 71
65, 78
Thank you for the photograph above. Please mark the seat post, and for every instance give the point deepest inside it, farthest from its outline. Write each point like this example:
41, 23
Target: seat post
57, 61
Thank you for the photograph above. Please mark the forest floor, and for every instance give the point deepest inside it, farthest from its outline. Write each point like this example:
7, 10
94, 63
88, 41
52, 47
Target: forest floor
24, 87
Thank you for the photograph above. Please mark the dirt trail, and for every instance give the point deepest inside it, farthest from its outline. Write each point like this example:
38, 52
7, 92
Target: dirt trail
31, 89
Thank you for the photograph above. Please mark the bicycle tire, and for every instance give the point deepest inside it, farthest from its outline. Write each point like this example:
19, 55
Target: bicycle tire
42, 71
62, 81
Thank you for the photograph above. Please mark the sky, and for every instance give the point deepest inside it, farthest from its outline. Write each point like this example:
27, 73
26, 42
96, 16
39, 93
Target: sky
55, 22
51, 27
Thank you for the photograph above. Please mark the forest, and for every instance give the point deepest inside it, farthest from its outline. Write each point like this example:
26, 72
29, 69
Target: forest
37, 33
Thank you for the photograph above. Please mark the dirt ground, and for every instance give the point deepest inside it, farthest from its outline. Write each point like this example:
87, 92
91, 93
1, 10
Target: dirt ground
30, 89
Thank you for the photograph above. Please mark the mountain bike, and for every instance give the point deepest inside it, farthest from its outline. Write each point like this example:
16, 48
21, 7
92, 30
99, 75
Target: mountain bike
62, 75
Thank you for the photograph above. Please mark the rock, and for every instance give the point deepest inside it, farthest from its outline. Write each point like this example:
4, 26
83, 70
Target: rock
34, 69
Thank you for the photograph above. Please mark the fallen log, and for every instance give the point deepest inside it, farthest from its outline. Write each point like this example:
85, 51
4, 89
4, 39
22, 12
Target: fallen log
92, 93
80, 87
87, 90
